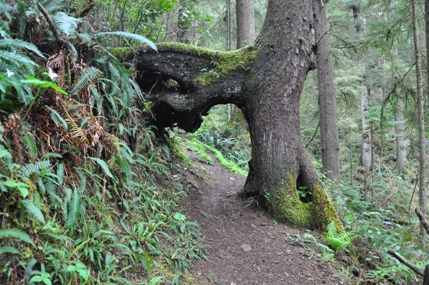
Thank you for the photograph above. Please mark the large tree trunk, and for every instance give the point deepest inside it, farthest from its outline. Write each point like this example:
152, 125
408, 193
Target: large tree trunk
273, 87
272, 108
421, 118
327, 92
265, 81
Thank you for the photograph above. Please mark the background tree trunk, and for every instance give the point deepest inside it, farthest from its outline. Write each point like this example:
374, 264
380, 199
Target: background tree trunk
230, 107
230, 35
401, 151
422, 142
183, 23
327, 92
245, 13
245, 20
366, 127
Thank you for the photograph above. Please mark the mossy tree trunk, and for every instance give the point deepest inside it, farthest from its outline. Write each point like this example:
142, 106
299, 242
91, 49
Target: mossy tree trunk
265, 81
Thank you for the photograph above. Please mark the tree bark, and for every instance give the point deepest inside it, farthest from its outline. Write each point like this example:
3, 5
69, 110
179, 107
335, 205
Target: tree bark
182, 23
401, 151
245, 13
366, 132
327, 92
245, 21
366, 157
421, 119
273, 107
265, 81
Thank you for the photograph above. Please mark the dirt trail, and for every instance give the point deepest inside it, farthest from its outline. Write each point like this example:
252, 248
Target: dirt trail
246, 246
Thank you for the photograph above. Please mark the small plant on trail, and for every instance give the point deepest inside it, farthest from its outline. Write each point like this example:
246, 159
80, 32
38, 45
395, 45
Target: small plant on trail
326, 254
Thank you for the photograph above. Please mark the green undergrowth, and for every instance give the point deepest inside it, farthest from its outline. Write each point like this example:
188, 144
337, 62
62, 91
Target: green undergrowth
385, 220
88, 194
229, 142
109, 224
199, 148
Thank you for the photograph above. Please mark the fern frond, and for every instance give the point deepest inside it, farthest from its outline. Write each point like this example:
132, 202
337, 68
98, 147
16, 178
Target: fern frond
8, 249
60, 173
13, 233
74, 209
155, 280
20, 44
56, 117
75, 130
33, 168
114, 72
65, 23
85, 78
5, 8
103, 165
135, 37
55, 5
31, 145
337, 240
33, 210
29, 268
17, 59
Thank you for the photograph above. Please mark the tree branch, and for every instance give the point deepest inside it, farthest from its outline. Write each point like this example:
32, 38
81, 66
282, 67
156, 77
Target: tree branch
86, 9
60, 41
405, 262
422, 219
185, 81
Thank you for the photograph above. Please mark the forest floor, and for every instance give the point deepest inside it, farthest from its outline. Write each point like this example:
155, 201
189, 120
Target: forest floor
246, 246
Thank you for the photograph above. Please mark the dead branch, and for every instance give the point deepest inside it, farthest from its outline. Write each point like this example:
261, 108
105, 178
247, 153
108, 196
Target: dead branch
86, 10
422, 219
42, 9
405, 262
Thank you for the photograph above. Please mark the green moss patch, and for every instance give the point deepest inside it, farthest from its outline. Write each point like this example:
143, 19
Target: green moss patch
287, 205
324, 210
226, 62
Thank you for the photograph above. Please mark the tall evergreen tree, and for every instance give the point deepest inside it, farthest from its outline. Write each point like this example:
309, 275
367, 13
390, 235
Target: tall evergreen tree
421, 119
327, 92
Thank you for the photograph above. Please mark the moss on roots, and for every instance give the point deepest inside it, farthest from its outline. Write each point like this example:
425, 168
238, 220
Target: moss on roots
288, 207
324, 210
